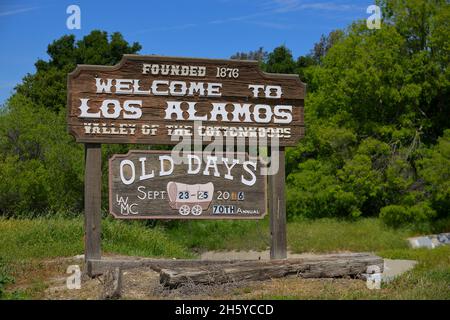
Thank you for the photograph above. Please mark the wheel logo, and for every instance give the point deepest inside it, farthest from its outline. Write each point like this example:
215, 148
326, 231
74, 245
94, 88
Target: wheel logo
196, 210
184, 210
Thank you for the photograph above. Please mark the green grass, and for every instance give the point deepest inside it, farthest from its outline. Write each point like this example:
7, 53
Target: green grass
221, 235
430, 279
25, 241
56, 237
329, 235
46, 238
323, 235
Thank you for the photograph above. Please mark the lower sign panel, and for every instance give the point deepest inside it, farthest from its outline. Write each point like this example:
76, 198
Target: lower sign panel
160, 185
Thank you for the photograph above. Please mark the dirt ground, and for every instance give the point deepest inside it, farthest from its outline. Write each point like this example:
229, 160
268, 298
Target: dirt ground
47, 280
142, 283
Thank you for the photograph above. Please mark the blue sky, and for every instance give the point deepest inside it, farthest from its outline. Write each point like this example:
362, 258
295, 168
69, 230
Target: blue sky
211, 29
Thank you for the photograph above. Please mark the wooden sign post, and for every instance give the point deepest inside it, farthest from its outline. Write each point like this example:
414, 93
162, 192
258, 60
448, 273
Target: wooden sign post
278, 245
92, 201
168, 101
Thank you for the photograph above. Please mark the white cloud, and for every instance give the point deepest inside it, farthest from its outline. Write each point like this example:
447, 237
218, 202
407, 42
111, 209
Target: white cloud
284, 6
10, 12
271, 25
264, 9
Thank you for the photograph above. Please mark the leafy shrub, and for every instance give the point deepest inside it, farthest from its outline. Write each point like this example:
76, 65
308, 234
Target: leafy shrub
394, 215
397, 215
421, 212
40, 164
314, 192
434, 169
358, 176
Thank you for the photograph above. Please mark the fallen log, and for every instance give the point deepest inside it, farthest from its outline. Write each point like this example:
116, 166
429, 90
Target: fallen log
96, 267
325, 266
112, 284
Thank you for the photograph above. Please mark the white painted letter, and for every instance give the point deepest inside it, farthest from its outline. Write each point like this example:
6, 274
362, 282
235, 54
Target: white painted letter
228, 175
155, 88
174, 107
255, 88
133, 112
211, 162
253, 180
219, 109
214, 89
104, 86
143, 175
162, 171
133, 172
123, 86
241, 110
105, 109
284, 114
268, 92
257, 115
84, 110
199, 161
191, 111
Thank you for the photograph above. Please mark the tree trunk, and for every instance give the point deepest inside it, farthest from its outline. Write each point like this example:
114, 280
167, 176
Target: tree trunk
326, 266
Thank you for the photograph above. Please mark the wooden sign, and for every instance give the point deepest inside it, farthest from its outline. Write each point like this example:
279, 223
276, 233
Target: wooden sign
156, 100
159, 185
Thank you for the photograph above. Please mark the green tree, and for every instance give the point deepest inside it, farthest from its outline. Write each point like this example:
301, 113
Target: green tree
47, 86
325, 43
280, 61
383, 77
257, 55
41, 166
377, 102
305, 66
434, 170
424, 25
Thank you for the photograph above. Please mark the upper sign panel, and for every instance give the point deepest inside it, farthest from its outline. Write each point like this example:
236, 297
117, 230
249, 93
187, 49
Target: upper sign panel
157, 100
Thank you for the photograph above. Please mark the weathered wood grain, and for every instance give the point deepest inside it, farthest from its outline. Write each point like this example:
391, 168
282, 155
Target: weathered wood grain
278, 246
332, 266
253, 205
112, 284
92, 201
95, 267
81, 84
